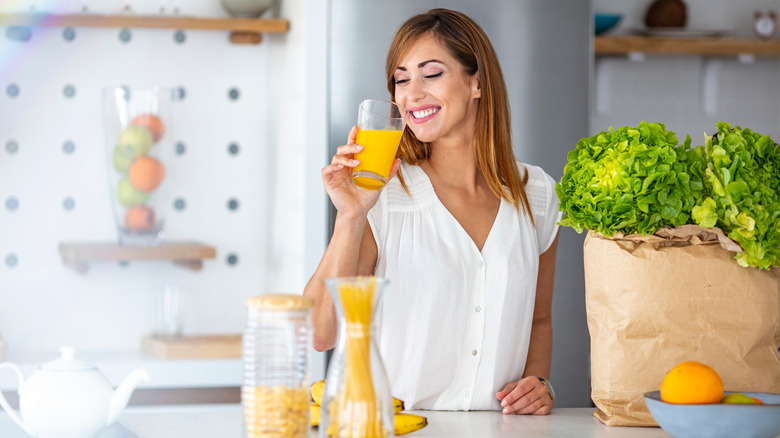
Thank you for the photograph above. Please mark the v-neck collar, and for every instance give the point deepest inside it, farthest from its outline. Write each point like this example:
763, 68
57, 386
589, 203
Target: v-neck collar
424, 177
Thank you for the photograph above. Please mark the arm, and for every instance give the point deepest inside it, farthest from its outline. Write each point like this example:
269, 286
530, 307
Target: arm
528, 395
352, 249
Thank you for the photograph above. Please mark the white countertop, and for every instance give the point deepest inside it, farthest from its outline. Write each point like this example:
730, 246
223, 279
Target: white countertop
225, 421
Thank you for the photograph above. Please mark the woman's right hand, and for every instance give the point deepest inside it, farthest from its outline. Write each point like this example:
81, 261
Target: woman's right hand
349, 199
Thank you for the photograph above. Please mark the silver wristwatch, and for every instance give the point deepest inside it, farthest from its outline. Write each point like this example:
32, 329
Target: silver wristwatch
549, 387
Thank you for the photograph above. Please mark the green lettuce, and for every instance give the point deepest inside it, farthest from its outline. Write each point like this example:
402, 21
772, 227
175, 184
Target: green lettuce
735, 178
628, 180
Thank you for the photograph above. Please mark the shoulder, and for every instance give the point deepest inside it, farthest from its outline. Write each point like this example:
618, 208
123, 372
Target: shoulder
536, 175
419, 186
540, 188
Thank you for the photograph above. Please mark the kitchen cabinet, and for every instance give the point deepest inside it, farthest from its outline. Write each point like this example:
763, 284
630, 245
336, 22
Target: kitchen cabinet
242, 30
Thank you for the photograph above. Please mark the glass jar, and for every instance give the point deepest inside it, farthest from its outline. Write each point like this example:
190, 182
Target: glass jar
276, 354
356, 402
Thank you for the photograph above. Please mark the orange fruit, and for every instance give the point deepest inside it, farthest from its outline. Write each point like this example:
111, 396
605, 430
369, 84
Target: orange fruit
152, 123
757, 401
146, 173
692, 383
139, 218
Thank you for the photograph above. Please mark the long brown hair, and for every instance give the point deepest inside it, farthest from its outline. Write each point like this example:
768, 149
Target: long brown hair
467, 43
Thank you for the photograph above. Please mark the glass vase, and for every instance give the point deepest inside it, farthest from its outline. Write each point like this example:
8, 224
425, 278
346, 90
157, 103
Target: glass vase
356, 402
139, 143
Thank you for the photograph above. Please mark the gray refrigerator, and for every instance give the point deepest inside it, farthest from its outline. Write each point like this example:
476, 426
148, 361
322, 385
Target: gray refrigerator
544, 47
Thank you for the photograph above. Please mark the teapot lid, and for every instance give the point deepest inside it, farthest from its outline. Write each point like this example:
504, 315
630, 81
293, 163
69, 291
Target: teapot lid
66, 362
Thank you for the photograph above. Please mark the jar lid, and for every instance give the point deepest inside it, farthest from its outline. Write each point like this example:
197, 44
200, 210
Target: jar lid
280, 302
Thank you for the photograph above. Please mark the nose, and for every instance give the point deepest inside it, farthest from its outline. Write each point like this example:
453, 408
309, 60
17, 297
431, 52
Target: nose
415, 90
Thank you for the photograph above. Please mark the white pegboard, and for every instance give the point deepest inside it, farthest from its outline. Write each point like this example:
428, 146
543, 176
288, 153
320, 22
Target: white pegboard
44, 304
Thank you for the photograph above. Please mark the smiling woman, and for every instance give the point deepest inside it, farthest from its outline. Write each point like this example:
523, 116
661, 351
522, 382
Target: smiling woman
467, 235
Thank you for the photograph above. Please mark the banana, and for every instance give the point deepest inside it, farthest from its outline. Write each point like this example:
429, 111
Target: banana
317, 388
406, 423
314, 414
398, 405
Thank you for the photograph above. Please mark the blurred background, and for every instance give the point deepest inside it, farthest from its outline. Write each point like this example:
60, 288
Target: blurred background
252, 127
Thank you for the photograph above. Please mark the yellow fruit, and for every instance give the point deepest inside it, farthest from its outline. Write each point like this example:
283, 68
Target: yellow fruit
398, 405
314, 414
317, 388
406, 423
692, 383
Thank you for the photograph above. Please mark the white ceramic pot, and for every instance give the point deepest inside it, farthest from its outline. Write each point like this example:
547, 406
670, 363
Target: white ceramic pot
246, 8
67, 398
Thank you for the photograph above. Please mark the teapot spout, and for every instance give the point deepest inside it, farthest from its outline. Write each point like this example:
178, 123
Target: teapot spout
122, 394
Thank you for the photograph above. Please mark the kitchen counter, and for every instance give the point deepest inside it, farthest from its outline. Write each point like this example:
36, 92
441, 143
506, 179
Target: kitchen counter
225, 421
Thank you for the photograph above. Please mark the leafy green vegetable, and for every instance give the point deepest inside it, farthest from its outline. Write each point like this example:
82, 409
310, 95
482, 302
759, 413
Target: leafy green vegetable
736, 178
632, 180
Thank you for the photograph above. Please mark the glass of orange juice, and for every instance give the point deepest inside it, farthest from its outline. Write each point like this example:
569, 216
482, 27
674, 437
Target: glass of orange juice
380, 127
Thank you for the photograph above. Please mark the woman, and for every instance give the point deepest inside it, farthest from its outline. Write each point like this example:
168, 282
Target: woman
466, 235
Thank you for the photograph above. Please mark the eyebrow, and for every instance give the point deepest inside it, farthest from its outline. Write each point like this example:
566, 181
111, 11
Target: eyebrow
421, 65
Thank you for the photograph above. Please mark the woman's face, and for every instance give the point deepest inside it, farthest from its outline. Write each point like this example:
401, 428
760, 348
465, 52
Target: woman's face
441, 98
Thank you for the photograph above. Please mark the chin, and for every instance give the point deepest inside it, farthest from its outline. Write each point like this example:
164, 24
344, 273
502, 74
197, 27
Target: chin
425, 137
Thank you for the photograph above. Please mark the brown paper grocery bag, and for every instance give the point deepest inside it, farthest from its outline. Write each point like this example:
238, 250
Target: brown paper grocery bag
655, 301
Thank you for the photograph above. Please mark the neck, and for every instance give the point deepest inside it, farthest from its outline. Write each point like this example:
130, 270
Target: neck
453, 163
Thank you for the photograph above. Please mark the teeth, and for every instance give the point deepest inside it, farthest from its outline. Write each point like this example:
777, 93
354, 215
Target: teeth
424, 113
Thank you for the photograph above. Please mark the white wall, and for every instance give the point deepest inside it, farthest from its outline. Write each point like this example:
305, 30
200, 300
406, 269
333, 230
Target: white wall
44, 304
689, 93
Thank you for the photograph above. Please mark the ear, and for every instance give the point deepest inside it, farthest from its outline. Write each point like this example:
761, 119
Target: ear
476, 86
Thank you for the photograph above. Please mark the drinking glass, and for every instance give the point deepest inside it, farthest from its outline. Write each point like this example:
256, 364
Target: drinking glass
168, 313
380, 127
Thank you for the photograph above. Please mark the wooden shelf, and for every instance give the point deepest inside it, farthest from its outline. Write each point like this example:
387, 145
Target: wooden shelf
243, 30
626, 45
78, 255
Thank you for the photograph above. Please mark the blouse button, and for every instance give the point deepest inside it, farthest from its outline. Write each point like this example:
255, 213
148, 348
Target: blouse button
465, 393
474, 352
481, 263
477, 309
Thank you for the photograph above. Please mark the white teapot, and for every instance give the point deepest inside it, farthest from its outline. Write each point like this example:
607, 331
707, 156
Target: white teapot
67, 398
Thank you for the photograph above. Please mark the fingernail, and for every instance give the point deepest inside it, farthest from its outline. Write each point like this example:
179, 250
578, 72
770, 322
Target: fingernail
506, 410
355, 162
360, 148
340, 166
503, 402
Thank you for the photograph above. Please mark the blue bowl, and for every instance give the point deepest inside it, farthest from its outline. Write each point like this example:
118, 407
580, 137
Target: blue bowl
718, 420
605, 22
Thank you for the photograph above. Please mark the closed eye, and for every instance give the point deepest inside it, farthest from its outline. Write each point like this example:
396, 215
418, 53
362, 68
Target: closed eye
434, 76
401, 81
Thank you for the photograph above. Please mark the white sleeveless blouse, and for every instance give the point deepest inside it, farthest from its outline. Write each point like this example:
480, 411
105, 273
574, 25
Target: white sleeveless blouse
455, 323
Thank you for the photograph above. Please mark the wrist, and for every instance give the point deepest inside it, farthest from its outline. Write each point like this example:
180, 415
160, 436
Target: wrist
352, 218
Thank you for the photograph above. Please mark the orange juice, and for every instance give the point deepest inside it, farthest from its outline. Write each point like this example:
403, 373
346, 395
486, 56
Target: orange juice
376, 159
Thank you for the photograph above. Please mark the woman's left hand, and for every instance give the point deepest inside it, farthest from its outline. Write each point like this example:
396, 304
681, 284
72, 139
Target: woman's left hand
525, 396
